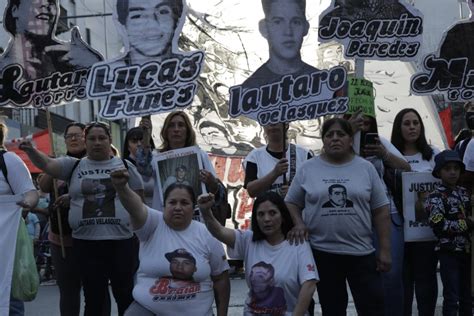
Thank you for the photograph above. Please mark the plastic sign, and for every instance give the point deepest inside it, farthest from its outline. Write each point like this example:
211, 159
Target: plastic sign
152, 76
373, 29
451, 71
37, 69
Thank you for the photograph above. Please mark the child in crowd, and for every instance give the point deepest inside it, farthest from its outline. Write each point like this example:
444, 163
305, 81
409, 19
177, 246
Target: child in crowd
448, 207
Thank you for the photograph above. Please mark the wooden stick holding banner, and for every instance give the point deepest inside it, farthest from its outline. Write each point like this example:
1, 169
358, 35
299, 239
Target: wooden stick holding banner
55, 184
285, 180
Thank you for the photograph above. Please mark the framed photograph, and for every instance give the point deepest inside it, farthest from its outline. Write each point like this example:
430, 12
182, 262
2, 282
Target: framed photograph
180, 166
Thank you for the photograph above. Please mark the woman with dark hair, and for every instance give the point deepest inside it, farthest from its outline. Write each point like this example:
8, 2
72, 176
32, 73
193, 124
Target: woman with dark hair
103, 242
383, 155
15, 181
182, 267
177, 132
420, 260
66, 268
138, 148
281, 277
341, 233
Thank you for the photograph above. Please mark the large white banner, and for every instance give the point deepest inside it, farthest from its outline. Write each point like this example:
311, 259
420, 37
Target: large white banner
9, 219
416, 187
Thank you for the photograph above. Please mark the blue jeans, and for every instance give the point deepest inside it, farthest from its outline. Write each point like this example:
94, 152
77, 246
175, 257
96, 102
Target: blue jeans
455, 271
17, 307
392, 280
361, 274
419, 277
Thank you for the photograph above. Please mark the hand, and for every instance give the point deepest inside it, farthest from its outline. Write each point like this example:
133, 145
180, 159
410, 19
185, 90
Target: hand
281, 167
25, 204
76, 53
356, 120
377, 149
119, 178
384, 261
283, 190
207, 177
26, 145
63, 201
298, 234
205, 201
145, 123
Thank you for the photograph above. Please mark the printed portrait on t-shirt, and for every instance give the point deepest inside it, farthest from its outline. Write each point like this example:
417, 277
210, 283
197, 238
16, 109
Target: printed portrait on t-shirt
99, 198
338, 197
180, 285
265, 297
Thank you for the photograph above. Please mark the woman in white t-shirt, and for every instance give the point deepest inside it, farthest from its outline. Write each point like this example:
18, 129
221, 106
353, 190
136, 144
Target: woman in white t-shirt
420, 260
182, 267
281, 277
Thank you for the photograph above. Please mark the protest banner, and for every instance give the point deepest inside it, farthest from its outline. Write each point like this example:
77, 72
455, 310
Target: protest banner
450, 70
361, 96
9, 222
381, 30
37, 69
416, 186
285, 88
152, 76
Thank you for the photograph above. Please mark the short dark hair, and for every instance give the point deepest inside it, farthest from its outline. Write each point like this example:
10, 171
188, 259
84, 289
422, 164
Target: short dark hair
266, 5
134, 133
104, 126
264, 265
181, 167
275, 198
80, 125
177, 185
122, 10
421, 143
345, 125
335, 186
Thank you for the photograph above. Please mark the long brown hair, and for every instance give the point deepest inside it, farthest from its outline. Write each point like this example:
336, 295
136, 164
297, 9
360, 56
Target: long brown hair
190, 134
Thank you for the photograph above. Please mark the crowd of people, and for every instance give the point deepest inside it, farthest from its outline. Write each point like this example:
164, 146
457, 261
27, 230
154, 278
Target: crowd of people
318, 221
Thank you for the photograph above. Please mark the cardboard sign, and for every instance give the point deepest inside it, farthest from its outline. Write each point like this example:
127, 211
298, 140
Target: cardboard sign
180, 166
152, 76
291, 98
361, 96
416, 188
451, 70
37, 69
381, 30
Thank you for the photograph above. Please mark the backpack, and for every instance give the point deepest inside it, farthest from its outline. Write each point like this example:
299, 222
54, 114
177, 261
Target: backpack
3, 166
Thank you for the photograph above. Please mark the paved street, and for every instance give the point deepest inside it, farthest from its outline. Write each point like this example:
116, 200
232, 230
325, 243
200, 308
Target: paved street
47, 301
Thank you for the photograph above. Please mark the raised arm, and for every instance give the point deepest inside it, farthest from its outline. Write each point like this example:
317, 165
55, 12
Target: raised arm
129, 199
223, 234
49, 165
381, 219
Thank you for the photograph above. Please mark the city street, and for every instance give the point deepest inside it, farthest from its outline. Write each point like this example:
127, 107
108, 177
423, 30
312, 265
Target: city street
47, 301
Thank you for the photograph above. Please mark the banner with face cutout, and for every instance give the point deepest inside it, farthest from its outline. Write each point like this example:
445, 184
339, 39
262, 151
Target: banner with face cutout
373, 29
285, 88
152, 76
37, 69
450, 70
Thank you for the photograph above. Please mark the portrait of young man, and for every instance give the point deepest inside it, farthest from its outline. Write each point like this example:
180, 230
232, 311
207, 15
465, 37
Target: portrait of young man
34, 46
284, 27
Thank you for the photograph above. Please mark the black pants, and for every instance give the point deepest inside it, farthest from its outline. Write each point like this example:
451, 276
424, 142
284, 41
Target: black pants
364, 281
101, 261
